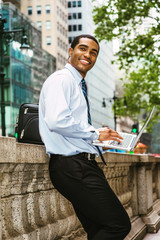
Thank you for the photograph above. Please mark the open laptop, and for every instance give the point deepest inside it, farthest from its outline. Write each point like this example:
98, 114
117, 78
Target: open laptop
129, 140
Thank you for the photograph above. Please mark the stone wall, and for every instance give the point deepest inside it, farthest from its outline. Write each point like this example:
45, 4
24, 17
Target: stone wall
31, 209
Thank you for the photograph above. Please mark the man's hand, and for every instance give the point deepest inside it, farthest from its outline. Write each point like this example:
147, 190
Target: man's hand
106, 134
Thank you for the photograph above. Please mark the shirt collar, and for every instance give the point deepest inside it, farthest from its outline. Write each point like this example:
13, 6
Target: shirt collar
74, 72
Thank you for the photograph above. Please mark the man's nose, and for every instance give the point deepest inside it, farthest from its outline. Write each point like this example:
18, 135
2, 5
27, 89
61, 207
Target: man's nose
87, 54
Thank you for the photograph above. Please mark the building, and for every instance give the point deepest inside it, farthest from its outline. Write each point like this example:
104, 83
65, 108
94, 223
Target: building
24, 72
14, 2
51, 18
100, 79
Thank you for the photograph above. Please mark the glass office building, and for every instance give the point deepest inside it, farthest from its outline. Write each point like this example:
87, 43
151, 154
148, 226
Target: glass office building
24, 72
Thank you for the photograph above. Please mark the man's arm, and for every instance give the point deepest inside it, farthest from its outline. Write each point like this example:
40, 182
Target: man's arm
58, 115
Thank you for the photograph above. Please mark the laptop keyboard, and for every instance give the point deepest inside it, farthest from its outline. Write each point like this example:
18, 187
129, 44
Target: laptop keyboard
125, 142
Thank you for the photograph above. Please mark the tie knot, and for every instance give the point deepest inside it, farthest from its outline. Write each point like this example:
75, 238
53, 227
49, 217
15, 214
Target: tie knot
83, 81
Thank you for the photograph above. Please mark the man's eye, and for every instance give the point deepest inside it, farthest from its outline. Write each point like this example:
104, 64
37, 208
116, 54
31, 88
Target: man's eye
94, 54
83, 49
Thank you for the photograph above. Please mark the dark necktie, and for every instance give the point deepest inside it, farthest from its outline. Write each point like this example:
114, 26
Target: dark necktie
84, 89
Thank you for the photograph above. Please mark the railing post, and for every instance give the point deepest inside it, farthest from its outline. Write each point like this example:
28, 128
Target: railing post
158, 181
145, 195
144, 183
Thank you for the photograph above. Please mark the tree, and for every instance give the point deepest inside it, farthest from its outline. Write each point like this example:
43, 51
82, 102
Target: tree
139, 52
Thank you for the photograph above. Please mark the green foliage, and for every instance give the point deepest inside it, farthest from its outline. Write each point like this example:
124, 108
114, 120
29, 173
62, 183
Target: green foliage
139, 53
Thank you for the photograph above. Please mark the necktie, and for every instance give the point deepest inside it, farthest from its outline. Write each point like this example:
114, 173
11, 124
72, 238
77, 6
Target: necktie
84, 89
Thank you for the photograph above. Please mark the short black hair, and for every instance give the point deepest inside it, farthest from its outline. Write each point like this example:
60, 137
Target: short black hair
76, 40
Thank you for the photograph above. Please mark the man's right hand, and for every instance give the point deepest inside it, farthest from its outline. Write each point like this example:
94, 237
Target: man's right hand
106, 134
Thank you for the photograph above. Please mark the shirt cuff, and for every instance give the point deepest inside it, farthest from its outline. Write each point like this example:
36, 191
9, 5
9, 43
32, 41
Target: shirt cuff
95, 134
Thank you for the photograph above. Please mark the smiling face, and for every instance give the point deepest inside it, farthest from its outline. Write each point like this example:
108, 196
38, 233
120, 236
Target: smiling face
84, 55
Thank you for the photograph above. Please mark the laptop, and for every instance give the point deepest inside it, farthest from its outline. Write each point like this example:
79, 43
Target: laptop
129, 140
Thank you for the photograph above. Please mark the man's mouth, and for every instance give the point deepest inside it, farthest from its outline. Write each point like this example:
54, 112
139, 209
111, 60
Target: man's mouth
85, 62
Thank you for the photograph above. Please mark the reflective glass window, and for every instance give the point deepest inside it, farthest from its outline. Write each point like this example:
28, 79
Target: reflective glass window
48, 40
39, 9
74, 4
79, 15
74, 27
74, 15
48, 24
80, 27
39, 24
48, 9
29, 10
69, 4
79, 3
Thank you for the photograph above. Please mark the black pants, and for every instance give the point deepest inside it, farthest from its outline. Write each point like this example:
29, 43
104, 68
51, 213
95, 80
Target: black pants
83, 183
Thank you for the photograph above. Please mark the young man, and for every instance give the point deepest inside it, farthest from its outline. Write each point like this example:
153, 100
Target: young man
66, 130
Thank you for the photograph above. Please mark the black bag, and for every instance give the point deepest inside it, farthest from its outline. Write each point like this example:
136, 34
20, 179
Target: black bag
28, 124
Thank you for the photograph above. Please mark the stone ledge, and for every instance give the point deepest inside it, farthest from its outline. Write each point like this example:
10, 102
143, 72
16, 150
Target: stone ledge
13, 151
156, 206
32, 153
138, 230
32, 209
152, 219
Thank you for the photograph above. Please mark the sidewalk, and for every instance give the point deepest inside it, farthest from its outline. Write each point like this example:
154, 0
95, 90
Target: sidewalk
149, 236
152, 236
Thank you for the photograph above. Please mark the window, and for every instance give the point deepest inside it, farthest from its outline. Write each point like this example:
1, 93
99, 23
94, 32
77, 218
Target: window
70, 28
57, 10
48, 40
74, 27
57, 25
79, 3
74, 15
60, 12
69, 4
39, 24
60, 28
39, 10
63, 31
79, 15
74, 4
69, 16
48, 24
48, 9
70, 39
79, 27
29, 10
63, 16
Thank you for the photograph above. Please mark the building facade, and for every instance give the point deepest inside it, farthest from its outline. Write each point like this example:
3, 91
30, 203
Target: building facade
100, 79
24, 72
52, 18
14, 2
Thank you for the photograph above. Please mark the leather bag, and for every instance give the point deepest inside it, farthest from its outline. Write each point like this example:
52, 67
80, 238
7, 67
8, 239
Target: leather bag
28, 124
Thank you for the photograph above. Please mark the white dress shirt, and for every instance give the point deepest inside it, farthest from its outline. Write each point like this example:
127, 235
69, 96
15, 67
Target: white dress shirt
63, 117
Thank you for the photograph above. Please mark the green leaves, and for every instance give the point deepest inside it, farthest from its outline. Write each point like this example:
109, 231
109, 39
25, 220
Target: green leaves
139, 52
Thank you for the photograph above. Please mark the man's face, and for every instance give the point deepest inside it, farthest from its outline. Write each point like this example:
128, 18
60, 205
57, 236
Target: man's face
84, 55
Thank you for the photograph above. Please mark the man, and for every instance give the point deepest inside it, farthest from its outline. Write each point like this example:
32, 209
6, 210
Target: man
66, 130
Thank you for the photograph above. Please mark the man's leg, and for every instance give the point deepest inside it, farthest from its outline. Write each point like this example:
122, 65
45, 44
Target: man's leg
99, 210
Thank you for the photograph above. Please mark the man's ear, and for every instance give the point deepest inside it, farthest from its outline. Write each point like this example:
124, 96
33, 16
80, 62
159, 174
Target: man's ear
70, 51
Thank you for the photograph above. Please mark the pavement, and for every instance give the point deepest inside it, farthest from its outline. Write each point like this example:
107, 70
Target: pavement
149, 236
152, 236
